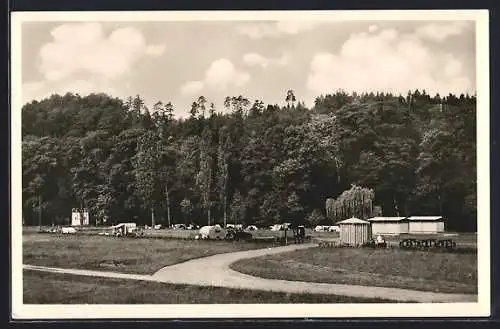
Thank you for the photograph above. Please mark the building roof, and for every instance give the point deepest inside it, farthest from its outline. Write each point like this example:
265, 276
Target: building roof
386, 219
353, 220
425, 218
123, 224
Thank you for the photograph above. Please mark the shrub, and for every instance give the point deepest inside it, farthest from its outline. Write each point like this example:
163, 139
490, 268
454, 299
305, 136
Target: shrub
315, 217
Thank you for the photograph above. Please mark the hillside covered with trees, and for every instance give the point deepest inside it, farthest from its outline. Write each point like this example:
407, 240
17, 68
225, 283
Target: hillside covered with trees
249, 162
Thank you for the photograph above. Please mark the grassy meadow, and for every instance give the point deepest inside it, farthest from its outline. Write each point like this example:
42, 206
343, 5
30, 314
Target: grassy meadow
392, 267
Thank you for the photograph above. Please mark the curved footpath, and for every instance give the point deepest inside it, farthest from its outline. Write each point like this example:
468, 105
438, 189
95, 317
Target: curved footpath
215, 271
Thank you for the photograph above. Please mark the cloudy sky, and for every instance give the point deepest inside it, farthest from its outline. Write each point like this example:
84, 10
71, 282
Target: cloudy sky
179, 61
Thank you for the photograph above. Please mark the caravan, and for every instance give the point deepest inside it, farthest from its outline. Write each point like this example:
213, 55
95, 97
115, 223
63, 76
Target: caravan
123, 229
68, 230
213, 233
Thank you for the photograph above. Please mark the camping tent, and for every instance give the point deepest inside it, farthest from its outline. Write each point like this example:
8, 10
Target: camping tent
123, 228
213, 232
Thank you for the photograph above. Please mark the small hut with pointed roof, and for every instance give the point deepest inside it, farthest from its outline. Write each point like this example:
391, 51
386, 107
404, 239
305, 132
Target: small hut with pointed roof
354, 232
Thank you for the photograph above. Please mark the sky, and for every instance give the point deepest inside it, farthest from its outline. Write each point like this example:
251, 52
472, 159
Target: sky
179, 61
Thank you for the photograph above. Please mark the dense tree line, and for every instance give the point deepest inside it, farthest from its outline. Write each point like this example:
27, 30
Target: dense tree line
249, 162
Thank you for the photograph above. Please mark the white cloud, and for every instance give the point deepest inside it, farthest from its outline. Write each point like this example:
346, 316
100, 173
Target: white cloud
389, 62
191, 87
440, 31
31, 90
258, 31
453, 67
78, 34
83, 50
276, 29
220, 75
255, 59
294, 27
155, 50
83, 47
373, 28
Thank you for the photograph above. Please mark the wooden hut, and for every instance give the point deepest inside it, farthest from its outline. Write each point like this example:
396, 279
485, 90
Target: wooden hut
354, 232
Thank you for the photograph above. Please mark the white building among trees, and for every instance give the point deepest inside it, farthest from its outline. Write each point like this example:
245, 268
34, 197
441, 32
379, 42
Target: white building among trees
389, 225
79, 217
426, 224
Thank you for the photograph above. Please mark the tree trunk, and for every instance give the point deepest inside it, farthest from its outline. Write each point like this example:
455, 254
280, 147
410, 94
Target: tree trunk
396, 206
225, 211
152, 217
337, 166
186, 213
40, 212
440, 204
168, 206
208, 216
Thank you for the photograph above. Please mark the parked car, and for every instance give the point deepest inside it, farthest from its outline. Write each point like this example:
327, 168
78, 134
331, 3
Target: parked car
252, 228
334, 228
300, 234
136, 233
319, 228
237, 235
179, 227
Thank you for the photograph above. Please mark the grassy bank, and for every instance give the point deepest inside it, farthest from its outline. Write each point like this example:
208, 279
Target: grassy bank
50, 288
142, 256
419, 270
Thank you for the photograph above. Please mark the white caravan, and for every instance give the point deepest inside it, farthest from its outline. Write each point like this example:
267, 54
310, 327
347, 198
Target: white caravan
213, 233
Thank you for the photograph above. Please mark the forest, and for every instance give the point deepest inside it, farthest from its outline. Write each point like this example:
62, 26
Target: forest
250, 162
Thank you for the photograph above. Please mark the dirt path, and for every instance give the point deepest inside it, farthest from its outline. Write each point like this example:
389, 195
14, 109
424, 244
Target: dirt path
215, 271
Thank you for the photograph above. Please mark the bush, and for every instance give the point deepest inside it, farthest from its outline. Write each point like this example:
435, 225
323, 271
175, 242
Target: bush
315, 218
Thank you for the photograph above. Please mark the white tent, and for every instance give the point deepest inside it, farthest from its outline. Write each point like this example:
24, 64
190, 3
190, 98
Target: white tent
123, 228
213, 232
68, 230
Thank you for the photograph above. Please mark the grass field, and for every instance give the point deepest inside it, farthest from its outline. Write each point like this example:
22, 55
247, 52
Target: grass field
189, 234
419, 270
50, 288
142, 256
463, 239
